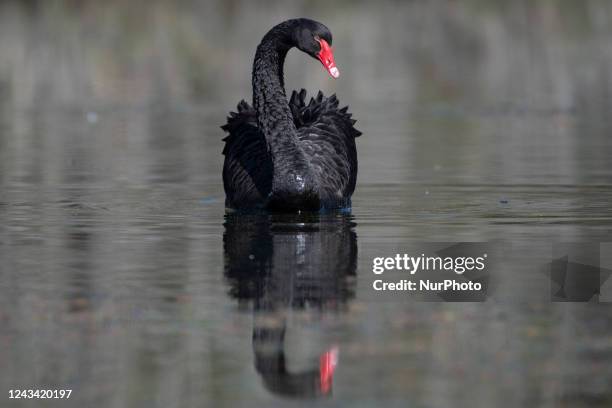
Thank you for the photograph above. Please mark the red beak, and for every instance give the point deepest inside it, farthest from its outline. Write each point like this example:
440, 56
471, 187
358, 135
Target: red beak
327, 58
327, 365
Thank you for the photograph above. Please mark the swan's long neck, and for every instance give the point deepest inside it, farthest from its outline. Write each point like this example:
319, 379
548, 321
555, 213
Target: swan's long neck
274, 116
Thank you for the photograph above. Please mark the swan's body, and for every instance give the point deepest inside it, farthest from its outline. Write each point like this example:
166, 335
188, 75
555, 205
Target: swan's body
289, 155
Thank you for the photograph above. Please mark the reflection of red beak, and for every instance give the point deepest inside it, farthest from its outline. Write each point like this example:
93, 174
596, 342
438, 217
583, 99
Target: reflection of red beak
327, 366
327, 58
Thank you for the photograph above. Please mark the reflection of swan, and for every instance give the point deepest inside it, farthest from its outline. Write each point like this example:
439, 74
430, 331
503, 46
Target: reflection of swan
289, 261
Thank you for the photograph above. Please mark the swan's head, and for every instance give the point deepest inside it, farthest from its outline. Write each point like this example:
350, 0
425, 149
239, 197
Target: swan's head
315, 39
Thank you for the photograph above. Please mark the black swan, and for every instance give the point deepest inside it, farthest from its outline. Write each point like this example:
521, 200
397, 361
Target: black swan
290, 155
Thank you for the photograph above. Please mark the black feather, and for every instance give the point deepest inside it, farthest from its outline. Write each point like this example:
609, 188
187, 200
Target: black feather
326, 133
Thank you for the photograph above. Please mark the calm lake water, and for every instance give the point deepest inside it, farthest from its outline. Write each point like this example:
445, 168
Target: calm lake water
123, 278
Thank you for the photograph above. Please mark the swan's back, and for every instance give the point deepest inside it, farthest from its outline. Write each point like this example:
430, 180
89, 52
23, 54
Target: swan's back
247, 169
327, 136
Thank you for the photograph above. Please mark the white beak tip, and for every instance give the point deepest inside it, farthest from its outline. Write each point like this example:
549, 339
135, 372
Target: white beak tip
334, 72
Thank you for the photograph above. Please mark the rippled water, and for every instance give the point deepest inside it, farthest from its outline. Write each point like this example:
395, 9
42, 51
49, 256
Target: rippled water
123, 278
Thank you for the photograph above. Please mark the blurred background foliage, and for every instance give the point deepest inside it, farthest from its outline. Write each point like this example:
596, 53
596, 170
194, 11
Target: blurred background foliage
114, 51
